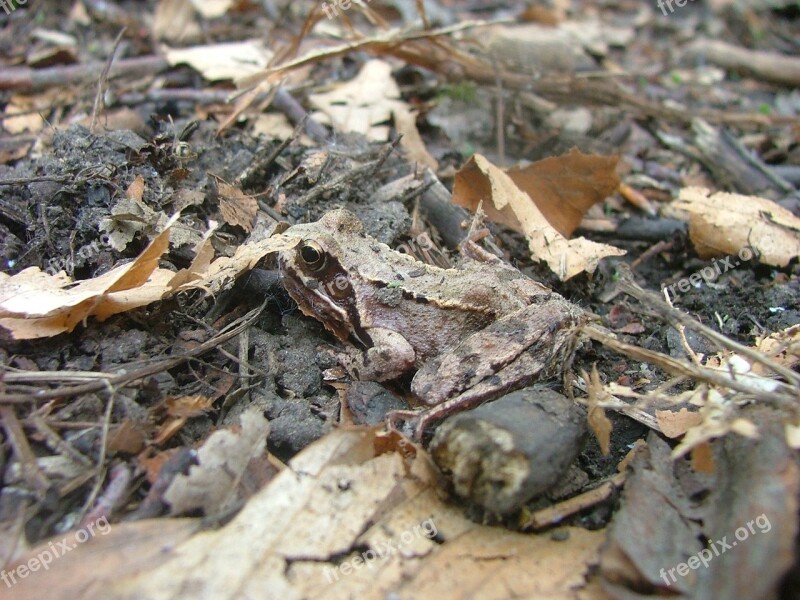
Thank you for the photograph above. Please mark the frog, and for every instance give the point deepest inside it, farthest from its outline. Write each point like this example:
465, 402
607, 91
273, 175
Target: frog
464, 335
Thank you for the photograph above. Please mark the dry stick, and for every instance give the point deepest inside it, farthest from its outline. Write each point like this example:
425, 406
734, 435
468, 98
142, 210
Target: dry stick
769, 66
98, 98
127, 378
553, 515
677, 367
22, 450
674, 315
27, 79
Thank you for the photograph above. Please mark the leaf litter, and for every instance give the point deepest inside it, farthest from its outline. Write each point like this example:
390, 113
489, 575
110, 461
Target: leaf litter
728, 411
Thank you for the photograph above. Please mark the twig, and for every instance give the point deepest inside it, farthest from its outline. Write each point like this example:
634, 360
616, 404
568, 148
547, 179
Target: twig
29, 467
554, 515
98, 97
27, 79
677, 367
673, 315
124, 378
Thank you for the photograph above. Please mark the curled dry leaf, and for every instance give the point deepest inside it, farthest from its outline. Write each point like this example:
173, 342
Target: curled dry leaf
745, 222
224, 270
564, 186
34, 304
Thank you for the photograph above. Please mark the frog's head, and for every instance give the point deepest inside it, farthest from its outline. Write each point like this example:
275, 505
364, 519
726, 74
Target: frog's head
320, 278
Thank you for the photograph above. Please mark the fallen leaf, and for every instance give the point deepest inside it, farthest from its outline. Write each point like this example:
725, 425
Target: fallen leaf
747, 225
211, 9
174, 21
34, 304
481, 181
675, 424
565, 187
598, 421
135, 190
343, 521
224, 270
212, 485
236, 207
223, 61
367, 103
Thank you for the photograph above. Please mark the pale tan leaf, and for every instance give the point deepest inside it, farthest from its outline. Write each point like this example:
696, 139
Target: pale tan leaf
367, 103
224, 270
343, 521
174, 21
747, 225
211, 9
479, 180
34, 304
222, 61
675, 424
135, 190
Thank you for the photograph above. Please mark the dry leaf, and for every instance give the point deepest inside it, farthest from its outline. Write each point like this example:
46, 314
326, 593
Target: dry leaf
223, 61
675, 424
211, 9
598, 421
747, 224
174, 21
565, 187
29, 118
783, 347
307, 533
135, 190
34, 304
236, 207
480, 181
224, 270
703, 458
212, 484
367, 103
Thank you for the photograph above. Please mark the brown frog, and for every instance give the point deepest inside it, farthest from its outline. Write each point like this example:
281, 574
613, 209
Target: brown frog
468, 334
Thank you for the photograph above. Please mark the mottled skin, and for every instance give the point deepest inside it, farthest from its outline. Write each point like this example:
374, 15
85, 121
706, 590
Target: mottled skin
457, 328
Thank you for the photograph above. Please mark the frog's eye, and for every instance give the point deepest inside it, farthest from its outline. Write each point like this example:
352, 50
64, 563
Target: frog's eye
312, 255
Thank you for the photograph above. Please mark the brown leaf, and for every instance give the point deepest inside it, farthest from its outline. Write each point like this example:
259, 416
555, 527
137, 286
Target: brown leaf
504, 202
135, 190
188, 406
212, 484
676, 424
34, 304
307, 533
598, 421
236, 207
565, 187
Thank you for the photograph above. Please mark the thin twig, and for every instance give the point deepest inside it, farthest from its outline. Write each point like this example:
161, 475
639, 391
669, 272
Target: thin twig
124, 378
98, 98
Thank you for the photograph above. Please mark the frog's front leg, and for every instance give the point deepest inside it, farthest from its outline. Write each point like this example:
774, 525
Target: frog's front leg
389, 357
532, 343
